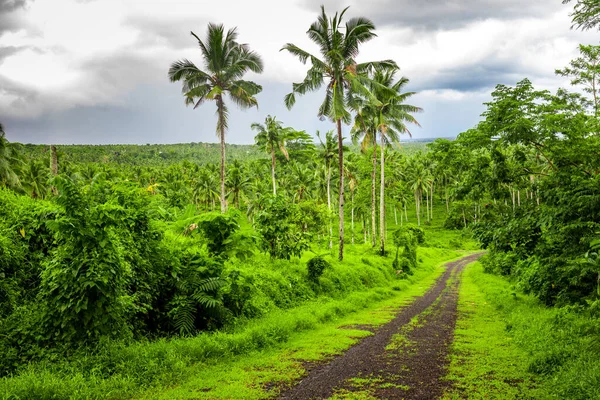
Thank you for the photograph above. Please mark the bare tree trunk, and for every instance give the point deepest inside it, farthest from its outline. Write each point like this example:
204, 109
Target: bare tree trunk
396, 215
519, 197
382, 198
405, 212
329, 206
513, 199
273, 171
427, 203
53, 166
352, 214
447, 201
341, 162
373, 193
222, 138
417, 208
431, 199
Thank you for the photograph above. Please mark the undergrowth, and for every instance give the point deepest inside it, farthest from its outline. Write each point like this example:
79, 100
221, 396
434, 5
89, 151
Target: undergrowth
509, 346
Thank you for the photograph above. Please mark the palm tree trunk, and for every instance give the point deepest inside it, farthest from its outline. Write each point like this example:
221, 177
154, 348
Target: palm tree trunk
382, 199
431, 199
53, 167
417, 207
273, 171
373, 193
427, 202
329, 206
341, 162
222, 139
352, 214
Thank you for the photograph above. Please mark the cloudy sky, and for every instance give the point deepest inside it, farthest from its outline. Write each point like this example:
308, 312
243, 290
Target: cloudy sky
95, 71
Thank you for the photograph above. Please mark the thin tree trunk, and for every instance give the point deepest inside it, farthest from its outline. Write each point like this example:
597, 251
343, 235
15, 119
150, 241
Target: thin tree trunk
417, 207
341, 162
53, 167
352, 214
447, 202
273, 171
405, 212
519, 197
513, 200
431, 197
396, 215
222, 138
427, 203
329, 206
382, 197
373, 192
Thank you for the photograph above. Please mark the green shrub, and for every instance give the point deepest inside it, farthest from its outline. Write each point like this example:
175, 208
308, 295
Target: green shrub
316, 266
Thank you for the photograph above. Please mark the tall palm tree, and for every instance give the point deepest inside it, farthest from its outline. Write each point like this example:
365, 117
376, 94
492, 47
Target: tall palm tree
225, 61
270, 136
327, 153
338, 69
364, 131
391, 115
383, 112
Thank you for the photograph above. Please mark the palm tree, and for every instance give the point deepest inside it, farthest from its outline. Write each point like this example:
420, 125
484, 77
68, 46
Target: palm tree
365, 131
8, 158
391, 114
237, 182
271, 136
327, 153
226, 61
338, 69
383, 112
34, 179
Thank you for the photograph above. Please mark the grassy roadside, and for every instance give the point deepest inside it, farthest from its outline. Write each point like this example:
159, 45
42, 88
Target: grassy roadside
485, 362
261, 374
508, 346
307, 332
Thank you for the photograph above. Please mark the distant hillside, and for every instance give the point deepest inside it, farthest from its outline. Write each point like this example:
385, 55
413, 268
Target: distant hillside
166, 154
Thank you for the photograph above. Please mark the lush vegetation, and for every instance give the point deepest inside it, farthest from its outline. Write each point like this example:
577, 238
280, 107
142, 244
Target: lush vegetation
508, 345
123, 268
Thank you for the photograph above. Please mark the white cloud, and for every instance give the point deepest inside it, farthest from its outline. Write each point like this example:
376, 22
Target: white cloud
62, 54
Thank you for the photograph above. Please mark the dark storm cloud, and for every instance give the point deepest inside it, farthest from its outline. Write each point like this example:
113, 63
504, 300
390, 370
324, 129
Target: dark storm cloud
9, 20
175, 32
438, 14
11, 5
9, 51
471, 78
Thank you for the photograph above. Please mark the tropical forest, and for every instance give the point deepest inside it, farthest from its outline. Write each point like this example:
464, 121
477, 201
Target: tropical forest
349, 263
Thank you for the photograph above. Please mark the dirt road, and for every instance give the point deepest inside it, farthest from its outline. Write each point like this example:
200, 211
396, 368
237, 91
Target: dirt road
404, 359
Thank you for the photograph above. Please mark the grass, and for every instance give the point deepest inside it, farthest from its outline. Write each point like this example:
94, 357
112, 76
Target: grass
247, 361
509, 346
261, 374
485, 361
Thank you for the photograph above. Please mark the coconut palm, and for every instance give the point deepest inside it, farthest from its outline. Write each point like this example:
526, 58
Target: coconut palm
391, 114
338, 69
327, 153
364, 131
271, 136
225, 61
34, 179
8, 159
